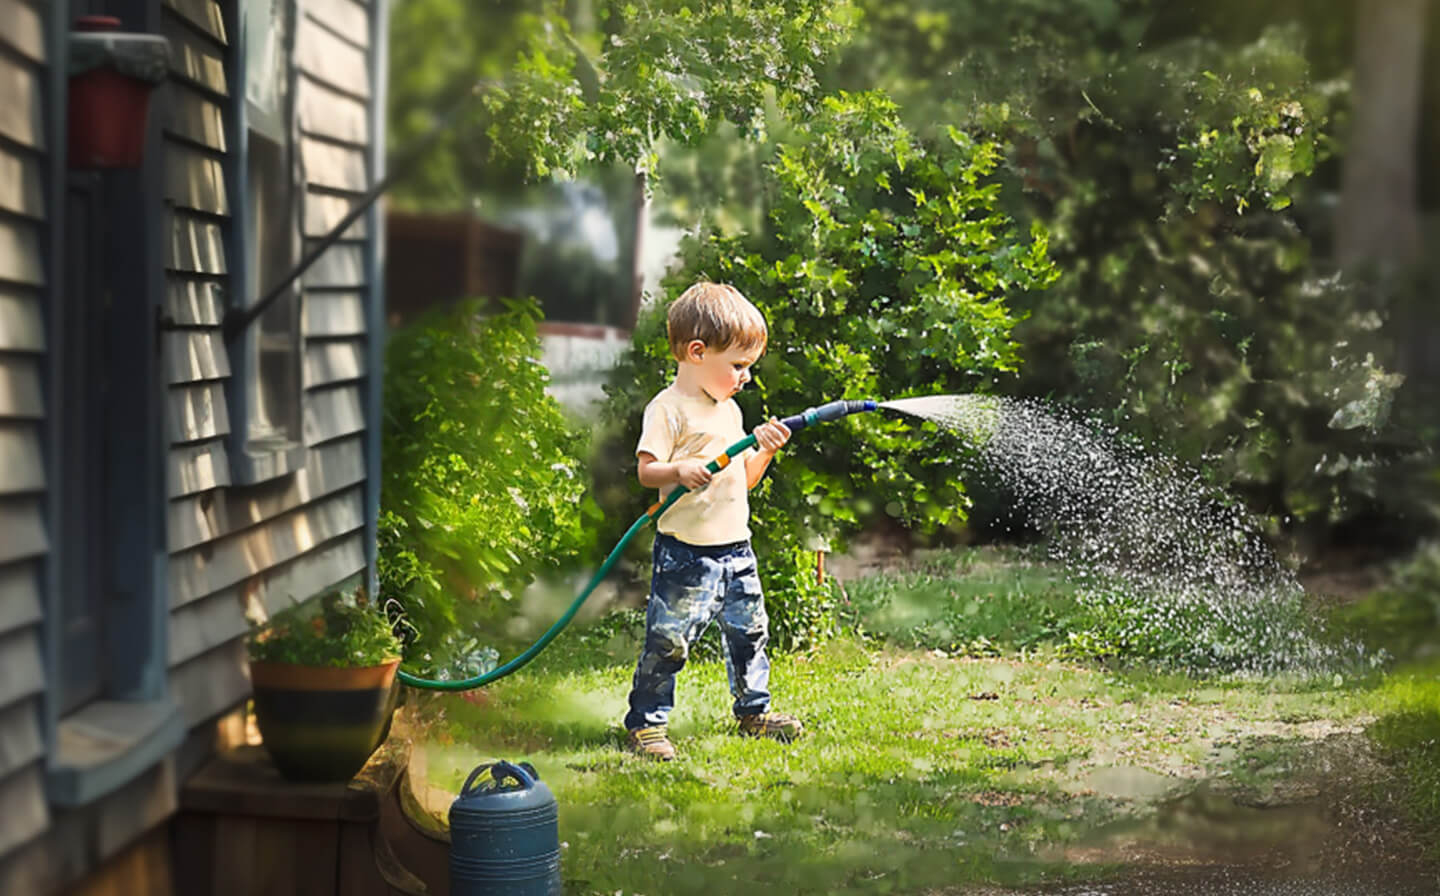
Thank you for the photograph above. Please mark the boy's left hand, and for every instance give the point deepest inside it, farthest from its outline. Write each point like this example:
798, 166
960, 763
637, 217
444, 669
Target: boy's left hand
770, 436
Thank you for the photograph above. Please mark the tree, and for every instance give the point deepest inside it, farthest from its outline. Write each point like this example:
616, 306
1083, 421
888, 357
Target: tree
1378, 219
572, 85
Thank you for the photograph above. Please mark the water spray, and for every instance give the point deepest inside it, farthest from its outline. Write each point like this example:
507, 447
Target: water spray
824, 413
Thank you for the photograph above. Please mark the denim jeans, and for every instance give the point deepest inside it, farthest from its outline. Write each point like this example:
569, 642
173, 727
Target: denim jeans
690, 587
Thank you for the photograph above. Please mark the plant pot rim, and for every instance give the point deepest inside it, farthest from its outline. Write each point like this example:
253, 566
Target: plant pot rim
300, 677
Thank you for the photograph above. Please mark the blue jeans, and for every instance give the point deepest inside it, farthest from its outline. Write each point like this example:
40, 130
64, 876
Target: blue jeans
690, 587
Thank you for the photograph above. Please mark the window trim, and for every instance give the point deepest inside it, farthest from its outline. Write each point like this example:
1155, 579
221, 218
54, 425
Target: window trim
251, 464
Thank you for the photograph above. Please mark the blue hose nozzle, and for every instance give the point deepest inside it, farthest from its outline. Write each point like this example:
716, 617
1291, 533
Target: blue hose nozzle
827, 412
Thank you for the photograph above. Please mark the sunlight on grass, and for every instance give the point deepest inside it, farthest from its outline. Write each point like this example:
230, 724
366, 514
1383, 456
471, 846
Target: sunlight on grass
923, 768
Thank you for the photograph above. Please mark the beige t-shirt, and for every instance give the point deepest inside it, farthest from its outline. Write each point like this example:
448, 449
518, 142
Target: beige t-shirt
678, 427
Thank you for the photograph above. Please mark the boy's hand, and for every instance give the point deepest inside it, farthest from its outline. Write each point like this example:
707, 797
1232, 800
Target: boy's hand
692, 474
770, 436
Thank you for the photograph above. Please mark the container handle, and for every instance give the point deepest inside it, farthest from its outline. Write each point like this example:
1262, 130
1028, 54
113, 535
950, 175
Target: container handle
523, 774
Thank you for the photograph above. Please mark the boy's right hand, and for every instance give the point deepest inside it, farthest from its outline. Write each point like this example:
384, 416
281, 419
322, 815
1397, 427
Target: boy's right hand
692, 474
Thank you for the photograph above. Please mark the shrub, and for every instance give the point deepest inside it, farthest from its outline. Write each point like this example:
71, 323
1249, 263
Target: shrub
483, 486
883, 270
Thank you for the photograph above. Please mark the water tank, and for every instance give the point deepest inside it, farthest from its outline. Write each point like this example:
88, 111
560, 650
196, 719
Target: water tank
504, 834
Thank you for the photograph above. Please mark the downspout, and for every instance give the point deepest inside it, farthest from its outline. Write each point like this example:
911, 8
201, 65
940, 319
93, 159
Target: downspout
57, 53
375, 299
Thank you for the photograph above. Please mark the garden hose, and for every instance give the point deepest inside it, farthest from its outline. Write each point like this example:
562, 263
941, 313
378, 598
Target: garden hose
822, 414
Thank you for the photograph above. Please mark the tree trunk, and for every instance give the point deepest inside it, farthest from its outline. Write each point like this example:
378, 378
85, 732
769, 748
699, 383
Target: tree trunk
1379, 213
641, 196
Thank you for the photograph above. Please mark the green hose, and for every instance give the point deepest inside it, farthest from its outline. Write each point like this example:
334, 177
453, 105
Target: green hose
649, 516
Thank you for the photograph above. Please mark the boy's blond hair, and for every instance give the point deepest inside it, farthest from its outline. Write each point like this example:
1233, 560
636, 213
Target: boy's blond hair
717, 315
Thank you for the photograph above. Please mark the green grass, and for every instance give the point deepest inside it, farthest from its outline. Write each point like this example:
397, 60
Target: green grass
1407, 734
989, 602
925, 767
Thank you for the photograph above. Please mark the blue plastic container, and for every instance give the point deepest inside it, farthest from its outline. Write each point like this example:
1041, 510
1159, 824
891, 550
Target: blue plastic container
504, 834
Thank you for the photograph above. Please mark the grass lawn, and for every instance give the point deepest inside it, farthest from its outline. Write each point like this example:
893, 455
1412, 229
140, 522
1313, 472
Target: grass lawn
952, 744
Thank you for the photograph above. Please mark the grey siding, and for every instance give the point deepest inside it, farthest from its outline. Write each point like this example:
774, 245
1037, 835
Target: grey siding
23, 216
264, 545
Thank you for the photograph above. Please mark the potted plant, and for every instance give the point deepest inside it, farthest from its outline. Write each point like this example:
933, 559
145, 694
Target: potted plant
323, 677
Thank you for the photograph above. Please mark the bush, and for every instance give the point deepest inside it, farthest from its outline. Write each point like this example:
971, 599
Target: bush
483, 486
883, 271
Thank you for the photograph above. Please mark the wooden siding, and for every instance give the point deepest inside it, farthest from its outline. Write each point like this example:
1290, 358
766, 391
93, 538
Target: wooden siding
329, 58
197, 364
197, 468
20, 183
197, 62
24, 72
20, 260
292, 537
22, 329
230, 546
204, 15
213, 515
26, 812
20, 114
194, 303
334, 313
22, 468
325, 112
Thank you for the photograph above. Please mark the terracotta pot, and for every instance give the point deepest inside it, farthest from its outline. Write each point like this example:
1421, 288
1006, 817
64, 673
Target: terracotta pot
321, 723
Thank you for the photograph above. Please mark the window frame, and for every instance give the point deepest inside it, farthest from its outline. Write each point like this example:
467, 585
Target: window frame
250, 461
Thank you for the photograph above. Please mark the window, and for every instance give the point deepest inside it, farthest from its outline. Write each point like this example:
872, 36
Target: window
266, 359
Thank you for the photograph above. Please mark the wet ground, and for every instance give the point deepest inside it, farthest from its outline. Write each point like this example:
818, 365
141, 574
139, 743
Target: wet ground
1235, 882
1326, 837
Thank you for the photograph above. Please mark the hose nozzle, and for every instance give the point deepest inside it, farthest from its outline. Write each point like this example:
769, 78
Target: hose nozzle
827, 412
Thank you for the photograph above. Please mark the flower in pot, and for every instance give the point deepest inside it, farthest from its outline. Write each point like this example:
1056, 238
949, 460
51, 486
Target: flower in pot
323, 676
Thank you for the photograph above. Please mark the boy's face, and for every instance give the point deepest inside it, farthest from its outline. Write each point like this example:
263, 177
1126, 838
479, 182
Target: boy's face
722, 373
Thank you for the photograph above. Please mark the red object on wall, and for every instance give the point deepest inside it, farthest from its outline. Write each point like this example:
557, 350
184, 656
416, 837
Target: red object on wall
107, 120
112, 76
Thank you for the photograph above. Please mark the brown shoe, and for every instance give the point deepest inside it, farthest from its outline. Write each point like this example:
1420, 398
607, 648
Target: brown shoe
652, 743
774, 725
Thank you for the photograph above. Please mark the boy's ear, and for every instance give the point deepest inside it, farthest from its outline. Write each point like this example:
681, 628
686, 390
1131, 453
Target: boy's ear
695, 351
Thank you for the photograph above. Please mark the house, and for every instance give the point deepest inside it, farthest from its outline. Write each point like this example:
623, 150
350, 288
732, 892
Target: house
160, 471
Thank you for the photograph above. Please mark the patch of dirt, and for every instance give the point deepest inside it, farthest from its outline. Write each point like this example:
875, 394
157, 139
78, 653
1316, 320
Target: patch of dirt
1323, 821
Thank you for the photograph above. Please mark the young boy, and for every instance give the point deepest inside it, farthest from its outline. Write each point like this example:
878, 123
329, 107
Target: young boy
704, 566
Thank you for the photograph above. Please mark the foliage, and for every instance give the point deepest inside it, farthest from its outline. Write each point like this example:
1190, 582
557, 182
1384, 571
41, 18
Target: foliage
801, 608
1174, 175
577, 84
334, 629
483, 486
1191, 311
1402, 617
884, 270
